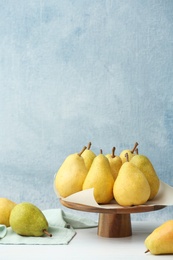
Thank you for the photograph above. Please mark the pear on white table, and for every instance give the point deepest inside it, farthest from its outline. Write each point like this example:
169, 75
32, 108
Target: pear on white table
159, 242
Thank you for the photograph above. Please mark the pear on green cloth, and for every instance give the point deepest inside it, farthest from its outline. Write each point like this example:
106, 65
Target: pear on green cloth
27, 219
6, 205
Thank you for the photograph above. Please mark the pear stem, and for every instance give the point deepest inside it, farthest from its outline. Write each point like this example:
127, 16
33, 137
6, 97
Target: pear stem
47, 233
136, 144
84, 148
136, 150
101, 151
113, 152
89, 145
127, 157
147, 251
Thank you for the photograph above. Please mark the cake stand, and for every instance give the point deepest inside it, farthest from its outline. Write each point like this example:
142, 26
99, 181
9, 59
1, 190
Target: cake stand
114, 222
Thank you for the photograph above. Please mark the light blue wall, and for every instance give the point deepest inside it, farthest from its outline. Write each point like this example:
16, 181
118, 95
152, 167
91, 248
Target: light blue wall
78, 71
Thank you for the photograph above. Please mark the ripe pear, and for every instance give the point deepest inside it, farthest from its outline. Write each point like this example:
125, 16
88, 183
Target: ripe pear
26, 219
100, 178
115, 163
131, 186
71, 175
88, 156
6, 205
130, 153
145, 165
160, 241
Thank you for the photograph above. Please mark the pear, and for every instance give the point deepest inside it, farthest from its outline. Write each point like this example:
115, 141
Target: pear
130, 153
100, 178
6, 205
26, 219
88, 156
115, 163
131, 186
160, 241
71, 175
145, 165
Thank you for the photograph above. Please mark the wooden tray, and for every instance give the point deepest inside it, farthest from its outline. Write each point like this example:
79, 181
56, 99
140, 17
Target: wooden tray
113, 222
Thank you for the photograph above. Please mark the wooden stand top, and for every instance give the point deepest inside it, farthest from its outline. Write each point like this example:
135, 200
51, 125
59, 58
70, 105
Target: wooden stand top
119, 210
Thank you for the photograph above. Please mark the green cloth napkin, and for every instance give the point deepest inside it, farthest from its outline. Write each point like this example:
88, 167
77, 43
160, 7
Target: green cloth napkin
61, 225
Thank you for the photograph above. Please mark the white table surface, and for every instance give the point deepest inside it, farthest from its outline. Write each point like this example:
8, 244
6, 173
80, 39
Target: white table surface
88, 245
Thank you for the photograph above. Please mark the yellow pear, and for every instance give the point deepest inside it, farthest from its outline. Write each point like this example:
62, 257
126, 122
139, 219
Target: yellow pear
88, 156
115, 163
100, 178
71, 175
145, 165
6, 205
160, 241
131, 186
130, 153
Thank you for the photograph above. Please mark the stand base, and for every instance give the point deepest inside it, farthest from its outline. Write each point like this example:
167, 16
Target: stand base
113, 222
114, 225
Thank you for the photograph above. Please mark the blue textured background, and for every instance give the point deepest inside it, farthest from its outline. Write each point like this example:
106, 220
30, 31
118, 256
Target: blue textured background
76, 71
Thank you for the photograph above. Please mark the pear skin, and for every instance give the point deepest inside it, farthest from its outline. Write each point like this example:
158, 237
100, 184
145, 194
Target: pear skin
129, 152
100, 178
160, 241
88, 156
145, 165
131, 186
71, 175
28, 220
115, 163
6, 206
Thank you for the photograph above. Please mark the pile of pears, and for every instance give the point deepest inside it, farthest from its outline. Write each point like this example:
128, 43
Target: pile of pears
129, 178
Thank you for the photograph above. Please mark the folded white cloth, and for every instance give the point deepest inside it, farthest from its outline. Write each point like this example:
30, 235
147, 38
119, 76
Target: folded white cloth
3, 231
62, 226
